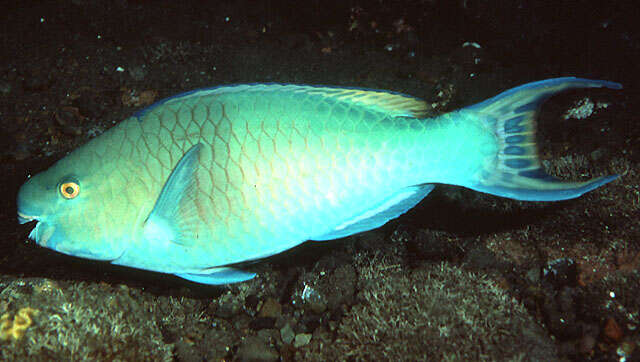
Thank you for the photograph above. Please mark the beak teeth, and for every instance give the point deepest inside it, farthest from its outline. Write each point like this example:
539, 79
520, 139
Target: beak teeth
23, 218
32, 220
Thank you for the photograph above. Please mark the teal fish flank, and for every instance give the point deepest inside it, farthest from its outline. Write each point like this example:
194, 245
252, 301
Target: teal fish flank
200, 182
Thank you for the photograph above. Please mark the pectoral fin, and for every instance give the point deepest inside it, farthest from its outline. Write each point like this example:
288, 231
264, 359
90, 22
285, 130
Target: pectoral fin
175, 215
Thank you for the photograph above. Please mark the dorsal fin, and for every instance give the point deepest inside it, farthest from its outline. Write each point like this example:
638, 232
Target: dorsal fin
397, 104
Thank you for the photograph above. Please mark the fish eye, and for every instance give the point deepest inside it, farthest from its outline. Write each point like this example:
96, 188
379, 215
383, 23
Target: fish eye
69, 190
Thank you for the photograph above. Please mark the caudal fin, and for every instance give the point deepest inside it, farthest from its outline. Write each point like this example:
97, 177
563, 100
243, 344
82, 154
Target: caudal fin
517, 172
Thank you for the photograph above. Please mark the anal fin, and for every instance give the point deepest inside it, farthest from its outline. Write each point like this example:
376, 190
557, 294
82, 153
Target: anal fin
216, 276
392, 207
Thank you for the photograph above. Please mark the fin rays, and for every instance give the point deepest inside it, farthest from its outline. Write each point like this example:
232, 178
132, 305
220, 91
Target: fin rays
174, 213
517, 172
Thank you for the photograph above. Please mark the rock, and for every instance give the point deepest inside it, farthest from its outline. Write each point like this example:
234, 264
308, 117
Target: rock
302, 339
218, 343
612, 331
313, 300
255, 349
270, 309
228, 306
287, 334
340, 286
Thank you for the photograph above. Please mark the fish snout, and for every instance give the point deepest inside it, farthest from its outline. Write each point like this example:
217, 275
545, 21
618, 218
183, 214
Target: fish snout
25, 218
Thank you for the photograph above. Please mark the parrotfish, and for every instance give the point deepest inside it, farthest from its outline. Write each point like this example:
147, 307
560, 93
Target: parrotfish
201, 183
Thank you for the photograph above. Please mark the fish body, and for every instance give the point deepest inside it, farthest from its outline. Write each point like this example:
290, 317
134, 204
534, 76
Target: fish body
211, 178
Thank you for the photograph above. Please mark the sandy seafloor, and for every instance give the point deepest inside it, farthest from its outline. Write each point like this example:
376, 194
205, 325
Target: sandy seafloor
463, 276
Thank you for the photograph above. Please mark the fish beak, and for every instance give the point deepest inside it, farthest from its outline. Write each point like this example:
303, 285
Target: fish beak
24, 218
32, 227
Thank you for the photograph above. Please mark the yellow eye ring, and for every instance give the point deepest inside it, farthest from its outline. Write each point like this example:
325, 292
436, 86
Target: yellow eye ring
69, 190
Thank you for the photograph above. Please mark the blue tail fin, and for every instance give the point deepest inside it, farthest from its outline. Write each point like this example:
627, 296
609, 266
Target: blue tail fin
517, 172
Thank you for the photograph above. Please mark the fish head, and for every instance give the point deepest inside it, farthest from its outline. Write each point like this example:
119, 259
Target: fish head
77, 209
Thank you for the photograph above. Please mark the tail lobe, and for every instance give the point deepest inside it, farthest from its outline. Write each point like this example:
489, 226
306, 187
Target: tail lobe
517, 172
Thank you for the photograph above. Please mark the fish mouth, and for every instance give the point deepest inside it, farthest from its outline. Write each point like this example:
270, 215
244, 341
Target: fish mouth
35, 233
46, 234
24, 218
